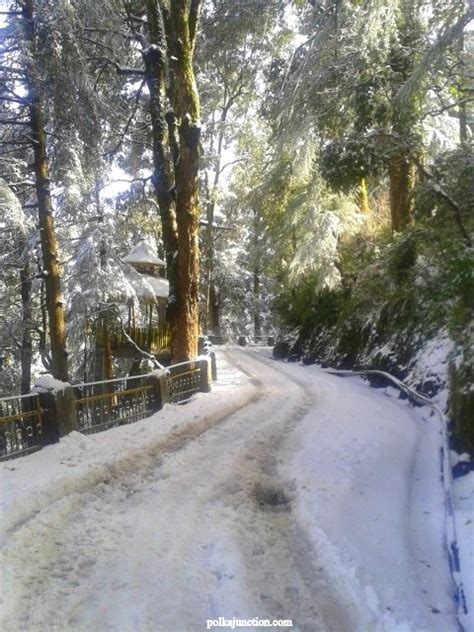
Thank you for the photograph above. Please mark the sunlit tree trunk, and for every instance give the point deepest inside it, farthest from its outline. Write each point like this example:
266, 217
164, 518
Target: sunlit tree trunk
155, 59
401, 183
49, 248
214, 315
463, 110
209, 282
401, 170
108, 356
363, 197
176, 134
212, 299
257, 318
26, 343
182, 34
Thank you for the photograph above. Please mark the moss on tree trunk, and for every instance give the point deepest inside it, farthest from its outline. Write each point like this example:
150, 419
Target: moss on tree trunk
401, 182
49, 247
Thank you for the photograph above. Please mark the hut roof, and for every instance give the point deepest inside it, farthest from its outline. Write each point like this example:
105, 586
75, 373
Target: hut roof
160, 287
143, 253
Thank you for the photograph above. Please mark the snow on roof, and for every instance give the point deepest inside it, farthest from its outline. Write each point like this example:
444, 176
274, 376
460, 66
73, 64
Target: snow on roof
143, 253
161, 287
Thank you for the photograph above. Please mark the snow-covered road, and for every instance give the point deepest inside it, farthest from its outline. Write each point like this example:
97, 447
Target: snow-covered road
298, 496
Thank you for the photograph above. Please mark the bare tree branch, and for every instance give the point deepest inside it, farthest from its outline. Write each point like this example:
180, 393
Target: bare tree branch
121, 70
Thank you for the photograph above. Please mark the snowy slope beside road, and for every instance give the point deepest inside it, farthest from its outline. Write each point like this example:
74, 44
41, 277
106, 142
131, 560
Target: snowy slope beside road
286, 493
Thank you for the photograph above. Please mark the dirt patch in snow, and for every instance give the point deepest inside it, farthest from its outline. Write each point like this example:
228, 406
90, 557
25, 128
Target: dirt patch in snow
270, 497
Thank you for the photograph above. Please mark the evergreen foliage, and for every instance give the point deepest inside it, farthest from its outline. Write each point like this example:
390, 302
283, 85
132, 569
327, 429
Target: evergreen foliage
335, 187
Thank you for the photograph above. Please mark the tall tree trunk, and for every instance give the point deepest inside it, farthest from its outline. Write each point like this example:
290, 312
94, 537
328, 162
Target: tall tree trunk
49, 248
187, 213
463, 110
108, 358
463, 125
155, 57
257, 319
214, 309
209, 271
26, 343
176, 132
43, 330
401, 182
99, 363
404, 115
212, 302
107, 355
183, 25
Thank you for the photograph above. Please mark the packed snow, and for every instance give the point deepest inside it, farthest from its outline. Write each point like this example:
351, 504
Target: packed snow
285, 493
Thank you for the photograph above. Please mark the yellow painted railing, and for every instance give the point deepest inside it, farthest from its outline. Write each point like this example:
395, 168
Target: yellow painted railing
20, 425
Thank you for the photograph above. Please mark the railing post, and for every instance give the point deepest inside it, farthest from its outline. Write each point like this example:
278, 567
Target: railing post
49, 418
212, 355
66, 410
159, 381
206, 374
59, 414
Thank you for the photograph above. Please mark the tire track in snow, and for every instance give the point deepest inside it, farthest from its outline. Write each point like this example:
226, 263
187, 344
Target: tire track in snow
339, 605
304, 593
202, 528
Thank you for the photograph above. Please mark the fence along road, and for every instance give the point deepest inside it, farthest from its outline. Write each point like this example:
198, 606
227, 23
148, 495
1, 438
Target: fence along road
21, 430
28, 422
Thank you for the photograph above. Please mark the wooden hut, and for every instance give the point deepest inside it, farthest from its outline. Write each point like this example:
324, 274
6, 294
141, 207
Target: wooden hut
144, 326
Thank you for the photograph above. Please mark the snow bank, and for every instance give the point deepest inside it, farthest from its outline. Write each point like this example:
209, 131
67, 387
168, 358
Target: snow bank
366, 470
464, 506
430, 367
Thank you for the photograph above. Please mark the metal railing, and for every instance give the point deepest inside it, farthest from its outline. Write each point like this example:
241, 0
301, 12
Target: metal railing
102, 405
20, 425
184, 381
30, 421
110, 403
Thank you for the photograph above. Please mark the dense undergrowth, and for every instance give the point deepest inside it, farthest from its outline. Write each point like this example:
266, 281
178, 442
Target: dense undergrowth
405, 304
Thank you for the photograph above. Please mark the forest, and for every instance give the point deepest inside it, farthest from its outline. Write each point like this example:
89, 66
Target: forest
297, 168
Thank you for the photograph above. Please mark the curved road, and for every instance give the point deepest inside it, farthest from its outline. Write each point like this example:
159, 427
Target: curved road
204, 530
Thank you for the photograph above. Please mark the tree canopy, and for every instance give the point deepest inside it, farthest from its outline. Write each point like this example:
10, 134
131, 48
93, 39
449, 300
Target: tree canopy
267, 150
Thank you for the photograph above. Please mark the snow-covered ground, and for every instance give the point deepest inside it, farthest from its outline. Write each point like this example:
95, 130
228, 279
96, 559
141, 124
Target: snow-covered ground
464, 505
286, 493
